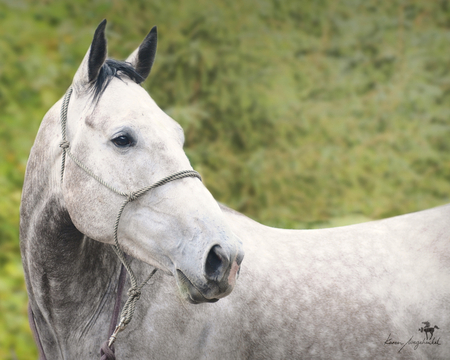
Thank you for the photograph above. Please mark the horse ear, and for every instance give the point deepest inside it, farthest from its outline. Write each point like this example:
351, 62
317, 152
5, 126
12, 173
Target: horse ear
143, 57
94, 58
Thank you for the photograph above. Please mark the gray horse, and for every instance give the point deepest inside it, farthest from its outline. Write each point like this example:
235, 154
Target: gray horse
355, 292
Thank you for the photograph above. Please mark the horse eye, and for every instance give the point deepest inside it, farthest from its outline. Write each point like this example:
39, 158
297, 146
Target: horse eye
122, 141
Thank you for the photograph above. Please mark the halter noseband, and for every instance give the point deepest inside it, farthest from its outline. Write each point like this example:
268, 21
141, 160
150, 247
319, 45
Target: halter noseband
135, 291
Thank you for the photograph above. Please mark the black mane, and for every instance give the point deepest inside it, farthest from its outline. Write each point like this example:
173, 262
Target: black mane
112, 69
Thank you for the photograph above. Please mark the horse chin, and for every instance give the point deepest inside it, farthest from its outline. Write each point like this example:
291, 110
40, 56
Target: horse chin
189, 292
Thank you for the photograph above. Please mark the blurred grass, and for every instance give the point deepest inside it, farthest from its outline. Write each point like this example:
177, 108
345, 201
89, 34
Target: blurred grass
299, 114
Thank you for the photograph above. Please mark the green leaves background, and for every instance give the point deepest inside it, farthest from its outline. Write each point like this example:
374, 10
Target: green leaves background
297, 113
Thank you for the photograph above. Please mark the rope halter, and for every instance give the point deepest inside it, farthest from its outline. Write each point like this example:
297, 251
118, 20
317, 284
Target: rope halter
134, 292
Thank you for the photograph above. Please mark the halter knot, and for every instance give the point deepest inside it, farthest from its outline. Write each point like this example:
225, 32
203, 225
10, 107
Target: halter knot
134, 293
64, 144
106, 352
132, 196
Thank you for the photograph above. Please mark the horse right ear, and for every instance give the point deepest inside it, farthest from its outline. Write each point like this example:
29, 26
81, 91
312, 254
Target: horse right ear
93, 60
143, 57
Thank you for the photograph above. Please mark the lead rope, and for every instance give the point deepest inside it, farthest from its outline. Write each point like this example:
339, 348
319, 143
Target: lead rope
134, 293
107, 352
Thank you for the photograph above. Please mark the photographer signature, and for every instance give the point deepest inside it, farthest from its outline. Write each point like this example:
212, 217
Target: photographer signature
427, 329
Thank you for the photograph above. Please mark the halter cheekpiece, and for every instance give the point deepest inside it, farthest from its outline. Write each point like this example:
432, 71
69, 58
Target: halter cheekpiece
135, 291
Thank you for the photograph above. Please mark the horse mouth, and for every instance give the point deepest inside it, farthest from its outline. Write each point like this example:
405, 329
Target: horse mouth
190, 292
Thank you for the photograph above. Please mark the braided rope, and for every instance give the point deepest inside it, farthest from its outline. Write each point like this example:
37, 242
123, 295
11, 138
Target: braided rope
107, 352
64, 143
134, 293
91, 174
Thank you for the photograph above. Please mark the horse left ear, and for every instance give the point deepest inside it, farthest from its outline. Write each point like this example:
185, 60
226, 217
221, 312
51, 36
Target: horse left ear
143, 57
93, 60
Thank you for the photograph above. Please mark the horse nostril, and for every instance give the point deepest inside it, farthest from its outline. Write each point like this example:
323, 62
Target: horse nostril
216, 263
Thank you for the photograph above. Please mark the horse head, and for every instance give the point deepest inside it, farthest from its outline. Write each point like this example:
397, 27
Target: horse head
118, 132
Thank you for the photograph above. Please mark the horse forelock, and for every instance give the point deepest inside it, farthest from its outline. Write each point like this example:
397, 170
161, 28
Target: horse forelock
112, 69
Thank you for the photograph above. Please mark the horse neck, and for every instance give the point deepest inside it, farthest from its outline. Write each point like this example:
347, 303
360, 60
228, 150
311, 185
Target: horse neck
69, 276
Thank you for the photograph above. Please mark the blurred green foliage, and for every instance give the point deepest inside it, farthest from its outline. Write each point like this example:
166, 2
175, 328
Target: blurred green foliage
297, 113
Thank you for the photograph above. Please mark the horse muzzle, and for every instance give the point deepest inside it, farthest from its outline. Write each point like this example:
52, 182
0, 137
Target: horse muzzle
218, 280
